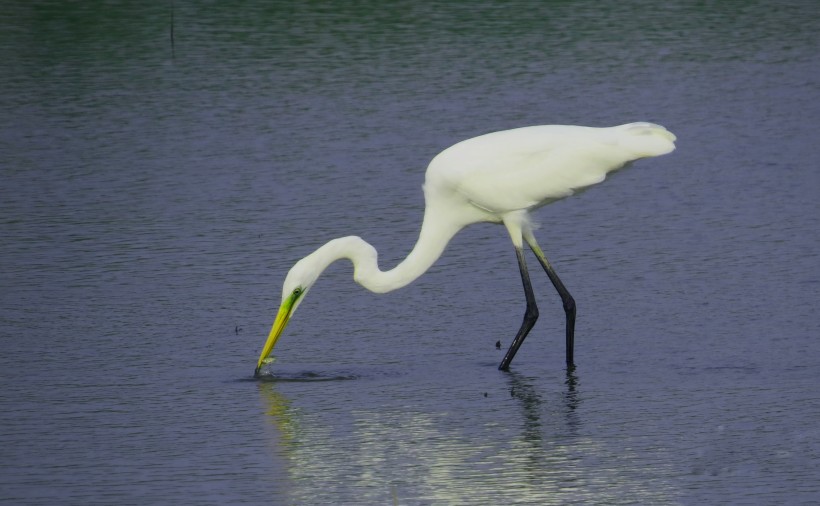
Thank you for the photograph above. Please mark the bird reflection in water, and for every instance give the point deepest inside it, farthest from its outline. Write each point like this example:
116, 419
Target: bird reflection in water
565, 418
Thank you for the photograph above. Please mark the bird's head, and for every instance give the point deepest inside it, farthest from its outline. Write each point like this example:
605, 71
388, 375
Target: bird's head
300, 278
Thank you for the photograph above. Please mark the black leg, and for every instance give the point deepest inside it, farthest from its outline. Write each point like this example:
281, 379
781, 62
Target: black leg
566, 299
530, 315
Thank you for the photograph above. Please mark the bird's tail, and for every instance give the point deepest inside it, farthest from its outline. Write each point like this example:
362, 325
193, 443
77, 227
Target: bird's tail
645, 139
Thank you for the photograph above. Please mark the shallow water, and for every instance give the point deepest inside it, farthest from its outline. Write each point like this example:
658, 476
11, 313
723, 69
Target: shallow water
153, 199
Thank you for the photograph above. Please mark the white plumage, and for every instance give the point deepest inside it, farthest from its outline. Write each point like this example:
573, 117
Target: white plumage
498, 177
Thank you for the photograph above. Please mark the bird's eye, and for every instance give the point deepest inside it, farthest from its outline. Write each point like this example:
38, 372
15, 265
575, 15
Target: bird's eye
297, 292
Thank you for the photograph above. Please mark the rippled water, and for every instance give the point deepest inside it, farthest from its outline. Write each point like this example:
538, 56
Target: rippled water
153, 197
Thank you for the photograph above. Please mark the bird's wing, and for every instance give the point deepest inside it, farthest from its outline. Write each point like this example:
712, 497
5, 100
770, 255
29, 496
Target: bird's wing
530, 179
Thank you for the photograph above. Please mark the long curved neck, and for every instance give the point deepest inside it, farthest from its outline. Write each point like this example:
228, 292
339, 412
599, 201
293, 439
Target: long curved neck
433, 238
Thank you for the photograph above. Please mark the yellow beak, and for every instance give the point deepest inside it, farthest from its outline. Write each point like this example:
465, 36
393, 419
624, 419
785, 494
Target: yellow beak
279, 325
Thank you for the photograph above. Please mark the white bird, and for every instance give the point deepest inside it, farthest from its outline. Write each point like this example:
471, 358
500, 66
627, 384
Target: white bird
498, 178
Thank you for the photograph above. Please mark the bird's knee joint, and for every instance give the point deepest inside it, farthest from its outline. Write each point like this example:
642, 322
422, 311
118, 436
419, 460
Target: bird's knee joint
569, 305
531, 313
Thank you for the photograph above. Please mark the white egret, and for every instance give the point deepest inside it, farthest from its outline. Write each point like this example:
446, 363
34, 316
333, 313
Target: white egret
498, 178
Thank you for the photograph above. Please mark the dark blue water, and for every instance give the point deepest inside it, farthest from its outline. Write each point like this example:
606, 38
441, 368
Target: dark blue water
154, 196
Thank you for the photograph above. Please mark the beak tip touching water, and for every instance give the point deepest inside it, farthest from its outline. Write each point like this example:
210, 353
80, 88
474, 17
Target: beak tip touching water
279, 325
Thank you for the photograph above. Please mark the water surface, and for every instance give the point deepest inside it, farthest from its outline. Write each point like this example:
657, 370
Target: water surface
153, 198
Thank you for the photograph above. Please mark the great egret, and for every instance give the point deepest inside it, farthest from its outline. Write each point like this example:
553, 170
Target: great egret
498, 178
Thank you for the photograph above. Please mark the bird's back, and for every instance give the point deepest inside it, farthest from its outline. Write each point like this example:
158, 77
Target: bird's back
528, 167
